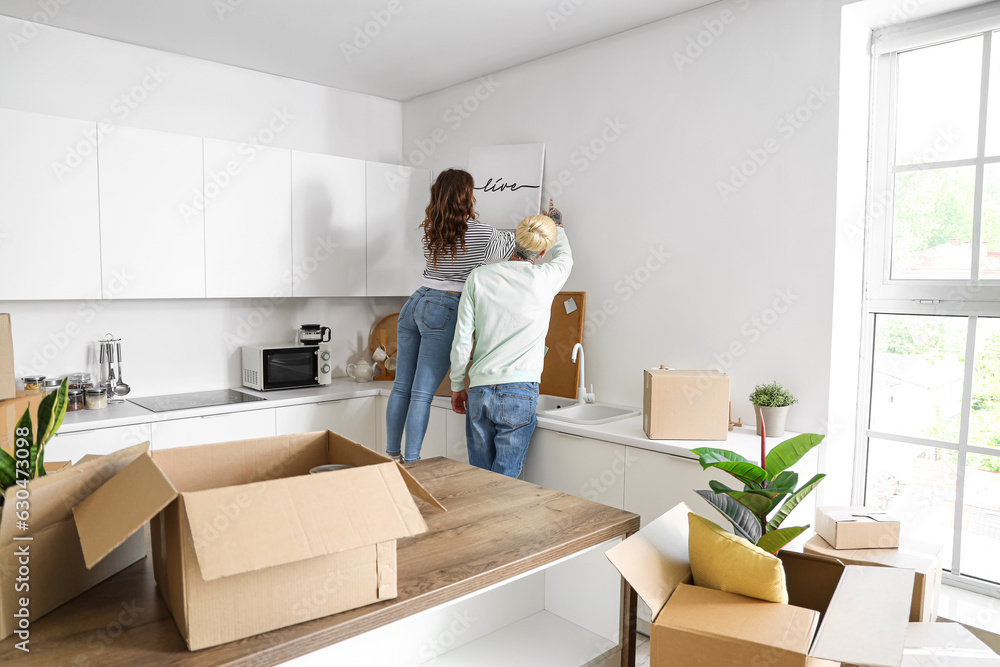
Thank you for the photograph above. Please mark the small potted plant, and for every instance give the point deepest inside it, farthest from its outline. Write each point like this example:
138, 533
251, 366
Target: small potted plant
771, 403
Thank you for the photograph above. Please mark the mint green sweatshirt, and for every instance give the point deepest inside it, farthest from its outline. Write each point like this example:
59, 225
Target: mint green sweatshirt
507, 305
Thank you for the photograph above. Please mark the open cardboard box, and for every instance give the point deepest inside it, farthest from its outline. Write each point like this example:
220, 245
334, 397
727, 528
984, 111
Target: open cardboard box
243, 536
836, 613
57, 572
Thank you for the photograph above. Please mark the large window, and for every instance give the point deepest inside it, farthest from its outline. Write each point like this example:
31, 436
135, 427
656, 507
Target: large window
931, 436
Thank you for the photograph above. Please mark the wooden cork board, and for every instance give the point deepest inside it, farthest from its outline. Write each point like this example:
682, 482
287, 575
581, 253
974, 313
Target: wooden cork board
560, 376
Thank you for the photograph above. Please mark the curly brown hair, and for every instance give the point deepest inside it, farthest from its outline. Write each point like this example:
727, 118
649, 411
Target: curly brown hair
448, 213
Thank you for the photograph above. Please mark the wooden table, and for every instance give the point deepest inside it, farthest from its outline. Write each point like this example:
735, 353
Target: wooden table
496, 528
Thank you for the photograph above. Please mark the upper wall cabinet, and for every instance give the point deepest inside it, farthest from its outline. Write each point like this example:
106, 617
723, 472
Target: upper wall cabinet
248, 226
152, 225
397, 197
48, 207
328, 225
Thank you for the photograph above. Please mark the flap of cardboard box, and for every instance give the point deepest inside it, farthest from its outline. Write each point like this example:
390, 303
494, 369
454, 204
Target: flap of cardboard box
279, 521
865, 623
655, 560
122, 506
54, 496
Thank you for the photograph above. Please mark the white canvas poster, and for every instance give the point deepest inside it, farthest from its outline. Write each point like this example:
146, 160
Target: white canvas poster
508, 182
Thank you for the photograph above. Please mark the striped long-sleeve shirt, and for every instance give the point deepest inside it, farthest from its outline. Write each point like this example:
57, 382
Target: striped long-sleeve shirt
483, 244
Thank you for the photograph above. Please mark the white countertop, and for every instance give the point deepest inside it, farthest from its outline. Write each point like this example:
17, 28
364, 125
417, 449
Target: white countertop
624, 431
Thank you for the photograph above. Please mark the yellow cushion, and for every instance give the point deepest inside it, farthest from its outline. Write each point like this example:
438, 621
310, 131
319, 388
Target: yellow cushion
726, 562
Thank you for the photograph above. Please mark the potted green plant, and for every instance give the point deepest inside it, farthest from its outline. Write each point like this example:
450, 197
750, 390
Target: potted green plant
770, 406
768, 487
28, 459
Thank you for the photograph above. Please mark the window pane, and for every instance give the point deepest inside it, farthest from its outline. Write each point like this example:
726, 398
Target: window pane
981, 518
932, 224
989, 251
993, 110
937, 108
917, 376
984, 422
917, 485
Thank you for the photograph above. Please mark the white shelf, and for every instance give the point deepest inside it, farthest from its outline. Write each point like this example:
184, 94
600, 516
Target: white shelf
543, 638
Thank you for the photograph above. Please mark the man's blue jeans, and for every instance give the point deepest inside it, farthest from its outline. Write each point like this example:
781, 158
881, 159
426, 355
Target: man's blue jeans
423, 354
499, 421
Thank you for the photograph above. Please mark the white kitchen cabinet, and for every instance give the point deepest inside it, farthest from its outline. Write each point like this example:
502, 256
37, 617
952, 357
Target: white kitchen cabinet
213, 428
353, 418
152, 224
655, 482
100, 441
328, 225
436, 438
396, 198
458, 448
583, 467
248, 223
49, 214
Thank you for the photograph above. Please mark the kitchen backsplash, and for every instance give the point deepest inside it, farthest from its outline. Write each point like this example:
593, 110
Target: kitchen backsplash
181, 345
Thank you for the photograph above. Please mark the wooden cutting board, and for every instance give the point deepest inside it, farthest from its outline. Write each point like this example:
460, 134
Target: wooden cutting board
560, 375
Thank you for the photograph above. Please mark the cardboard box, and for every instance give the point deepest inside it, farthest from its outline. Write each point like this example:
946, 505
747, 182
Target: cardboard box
7, 385
685, 405
857, 528
836, 613
57, 572
945, 644
11, 411
923, 558
244, 536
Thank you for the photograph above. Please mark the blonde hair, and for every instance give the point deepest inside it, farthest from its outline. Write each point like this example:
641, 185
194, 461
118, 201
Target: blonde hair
535, 233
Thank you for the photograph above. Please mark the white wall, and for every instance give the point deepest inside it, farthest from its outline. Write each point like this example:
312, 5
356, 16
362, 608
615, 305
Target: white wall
662, 137
176, 346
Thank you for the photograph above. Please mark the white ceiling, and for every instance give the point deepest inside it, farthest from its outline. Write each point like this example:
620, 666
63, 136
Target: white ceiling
425, 46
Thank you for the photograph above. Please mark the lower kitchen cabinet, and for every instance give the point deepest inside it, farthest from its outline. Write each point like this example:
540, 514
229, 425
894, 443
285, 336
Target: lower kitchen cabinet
583, 467
655, 482
353, 418
100, 441
213, 428
457, 447
435, 438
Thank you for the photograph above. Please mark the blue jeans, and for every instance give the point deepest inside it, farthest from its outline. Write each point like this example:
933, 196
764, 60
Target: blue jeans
423, 355
499, 421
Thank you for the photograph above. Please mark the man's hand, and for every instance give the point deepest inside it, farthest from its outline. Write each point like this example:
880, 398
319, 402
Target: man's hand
554, 213
459, 399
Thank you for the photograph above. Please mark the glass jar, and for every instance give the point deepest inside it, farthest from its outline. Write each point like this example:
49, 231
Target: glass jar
74, 400
96, 399
33, 383
50, 385
80, 381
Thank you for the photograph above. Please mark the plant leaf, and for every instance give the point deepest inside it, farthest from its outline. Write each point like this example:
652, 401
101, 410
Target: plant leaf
752, 475
745, 524
786, 480
45, 411
708, 456
756, 503
55, 420
787, 453
794, 500
718, 487
8, 475
773, 540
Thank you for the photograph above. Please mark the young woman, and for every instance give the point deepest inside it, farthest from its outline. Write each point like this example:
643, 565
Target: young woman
454, 244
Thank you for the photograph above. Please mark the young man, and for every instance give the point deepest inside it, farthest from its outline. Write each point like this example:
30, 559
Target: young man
507, 306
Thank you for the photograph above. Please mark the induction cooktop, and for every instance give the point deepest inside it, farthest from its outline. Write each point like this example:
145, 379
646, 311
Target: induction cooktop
197, 399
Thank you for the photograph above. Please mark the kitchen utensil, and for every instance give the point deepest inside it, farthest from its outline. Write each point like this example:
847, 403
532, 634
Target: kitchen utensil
120, 389
384, 335
312, 334
379, 354
361, 371
390, 365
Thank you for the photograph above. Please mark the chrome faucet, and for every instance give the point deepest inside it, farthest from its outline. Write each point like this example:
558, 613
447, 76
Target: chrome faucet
582, 395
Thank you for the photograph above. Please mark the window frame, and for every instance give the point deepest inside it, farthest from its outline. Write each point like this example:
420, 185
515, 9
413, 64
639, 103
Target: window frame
970, 298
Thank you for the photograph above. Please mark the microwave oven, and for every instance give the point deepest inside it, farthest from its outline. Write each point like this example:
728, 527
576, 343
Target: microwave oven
269, 367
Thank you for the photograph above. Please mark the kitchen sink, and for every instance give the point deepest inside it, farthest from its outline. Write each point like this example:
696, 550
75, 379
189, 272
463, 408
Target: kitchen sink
546, 402
588, 413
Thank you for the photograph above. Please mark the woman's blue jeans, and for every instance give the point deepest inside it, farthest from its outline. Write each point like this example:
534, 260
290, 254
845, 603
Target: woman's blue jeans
499, 421
423, 355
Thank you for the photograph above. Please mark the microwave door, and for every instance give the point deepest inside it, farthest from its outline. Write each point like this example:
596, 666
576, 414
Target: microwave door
284, 368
